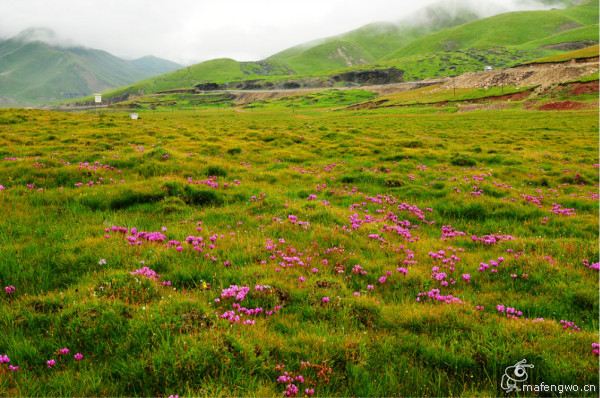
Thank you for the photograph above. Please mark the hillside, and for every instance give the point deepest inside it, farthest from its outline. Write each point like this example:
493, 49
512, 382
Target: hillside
438, 43
34, 71
505, 30
372, 42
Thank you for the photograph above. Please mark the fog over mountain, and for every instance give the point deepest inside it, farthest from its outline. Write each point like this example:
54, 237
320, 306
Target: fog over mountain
189, 31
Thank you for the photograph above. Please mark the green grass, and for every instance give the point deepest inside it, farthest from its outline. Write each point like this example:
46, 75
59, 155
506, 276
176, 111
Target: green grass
321, 99
438, 94
587, 52
140, 338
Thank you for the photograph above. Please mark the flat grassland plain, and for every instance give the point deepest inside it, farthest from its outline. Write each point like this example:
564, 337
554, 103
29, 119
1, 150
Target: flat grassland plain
398, 251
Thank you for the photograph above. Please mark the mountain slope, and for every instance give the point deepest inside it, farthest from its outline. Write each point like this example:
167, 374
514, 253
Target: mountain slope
511, 29
33, 71
371, 42
420, 48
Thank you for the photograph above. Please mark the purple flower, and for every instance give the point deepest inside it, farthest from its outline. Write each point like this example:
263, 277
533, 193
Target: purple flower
10, 289
325, 300
50, 363
64, 351
596, 349
4, 359
78, 356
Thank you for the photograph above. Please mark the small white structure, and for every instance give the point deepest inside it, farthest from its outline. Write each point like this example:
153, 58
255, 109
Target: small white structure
488, 68
98, 98
134, 116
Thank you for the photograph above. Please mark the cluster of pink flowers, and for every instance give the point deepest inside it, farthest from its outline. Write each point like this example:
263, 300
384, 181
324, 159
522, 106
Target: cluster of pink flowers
476, 191
97, 166
239, 293
146, 272
596, 349
291, 389
10, 289
570, 325
358, 270
536, 200
356, 222
449, 232
592, 266
447, 260
149, 273
289, 256
493, 263
510, 312
491, 239
328, 168
414, 210
400, 229
5, 360
563, 211
441, 277
63, 352
212, 182
434, 295
294, 220
137, 238
235, 291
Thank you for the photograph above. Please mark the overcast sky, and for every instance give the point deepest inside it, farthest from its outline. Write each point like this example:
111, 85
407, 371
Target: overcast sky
189, 31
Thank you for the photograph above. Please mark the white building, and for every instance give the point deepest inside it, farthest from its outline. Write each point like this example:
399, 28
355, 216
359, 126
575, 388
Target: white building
98, 98
488, 68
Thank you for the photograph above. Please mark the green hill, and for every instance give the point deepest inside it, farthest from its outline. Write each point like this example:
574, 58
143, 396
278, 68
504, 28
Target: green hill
505, 30
437, 43
33, 71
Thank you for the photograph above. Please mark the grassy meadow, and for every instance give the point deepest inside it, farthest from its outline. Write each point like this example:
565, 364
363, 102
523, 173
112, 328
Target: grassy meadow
402, 251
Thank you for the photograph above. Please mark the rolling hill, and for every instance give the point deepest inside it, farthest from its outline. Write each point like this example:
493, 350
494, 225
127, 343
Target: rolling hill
437, 43
35, 70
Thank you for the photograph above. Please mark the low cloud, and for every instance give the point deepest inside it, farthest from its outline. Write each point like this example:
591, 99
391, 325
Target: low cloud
189, 31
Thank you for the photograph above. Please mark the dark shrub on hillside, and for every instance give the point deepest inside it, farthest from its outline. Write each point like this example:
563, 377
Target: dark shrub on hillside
193, 196
215, 171
463, 161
